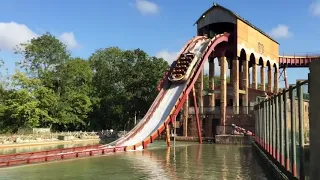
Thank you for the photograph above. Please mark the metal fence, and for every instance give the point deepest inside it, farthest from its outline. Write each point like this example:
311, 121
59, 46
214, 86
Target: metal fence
280, 127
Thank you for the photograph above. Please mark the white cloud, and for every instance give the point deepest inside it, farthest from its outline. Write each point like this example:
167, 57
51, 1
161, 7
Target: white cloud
281, 31
68, 39
314, 8
12, 34
168, 56
147, 7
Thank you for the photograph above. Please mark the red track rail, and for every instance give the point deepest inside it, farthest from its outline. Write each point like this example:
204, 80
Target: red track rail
76, 152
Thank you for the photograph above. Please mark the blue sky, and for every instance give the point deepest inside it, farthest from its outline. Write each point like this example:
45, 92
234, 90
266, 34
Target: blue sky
160, 27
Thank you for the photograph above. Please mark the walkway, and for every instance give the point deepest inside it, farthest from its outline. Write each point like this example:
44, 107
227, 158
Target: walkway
297, 60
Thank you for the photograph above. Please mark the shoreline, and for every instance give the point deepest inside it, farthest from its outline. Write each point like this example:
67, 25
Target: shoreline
42, 143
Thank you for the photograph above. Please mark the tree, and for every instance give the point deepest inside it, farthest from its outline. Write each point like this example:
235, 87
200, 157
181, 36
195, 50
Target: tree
124, 82
75, 103
42, 54
22, 107
66, 93
60, 85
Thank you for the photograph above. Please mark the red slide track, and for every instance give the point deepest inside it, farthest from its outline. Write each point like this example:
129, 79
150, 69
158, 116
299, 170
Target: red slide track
67, 153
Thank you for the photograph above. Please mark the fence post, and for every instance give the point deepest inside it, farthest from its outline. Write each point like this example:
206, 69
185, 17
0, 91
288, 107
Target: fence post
293, 132
260, 124
301, 130
273, 128
269, 127
277, 127
265, 124
281, 126
286, 132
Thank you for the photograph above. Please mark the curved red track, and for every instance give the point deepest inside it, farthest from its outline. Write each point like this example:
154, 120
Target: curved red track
51, 155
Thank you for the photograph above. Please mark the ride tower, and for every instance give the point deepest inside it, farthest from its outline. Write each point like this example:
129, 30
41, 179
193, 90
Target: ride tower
249, 52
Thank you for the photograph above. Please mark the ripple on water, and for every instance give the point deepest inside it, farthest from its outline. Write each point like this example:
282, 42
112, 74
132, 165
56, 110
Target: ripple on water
185, 161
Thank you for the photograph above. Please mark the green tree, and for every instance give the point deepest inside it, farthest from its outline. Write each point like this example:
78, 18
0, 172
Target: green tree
22, 107
42, 54
124, 83
75, 87
63, 83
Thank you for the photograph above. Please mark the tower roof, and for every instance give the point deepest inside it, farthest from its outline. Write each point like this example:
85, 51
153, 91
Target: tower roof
215, 5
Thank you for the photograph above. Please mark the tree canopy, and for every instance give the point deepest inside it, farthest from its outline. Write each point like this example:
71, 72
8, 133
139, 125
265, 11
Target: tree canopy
53, 89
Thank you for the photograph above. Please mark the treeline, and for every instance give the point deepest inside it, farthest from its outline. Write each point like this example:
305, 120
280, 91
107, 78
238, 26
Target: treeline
54, 90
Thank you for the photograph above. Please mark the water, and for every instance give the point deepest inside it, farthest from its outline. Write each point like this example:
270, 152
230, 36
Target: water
185, 161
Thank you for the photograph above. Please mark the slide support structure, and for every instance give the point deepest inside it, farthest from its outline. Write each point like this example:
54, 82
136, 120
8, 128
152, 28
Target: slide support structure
168, 135
197, 114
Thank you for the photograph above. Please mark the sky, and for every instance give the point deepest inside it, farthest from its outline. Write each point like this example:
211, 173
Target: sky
159, 27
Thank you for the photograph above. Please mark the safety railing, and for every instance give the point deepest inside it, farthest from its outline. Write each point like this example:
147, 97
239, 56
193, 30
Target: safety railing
205, 110
301, 54
282, 127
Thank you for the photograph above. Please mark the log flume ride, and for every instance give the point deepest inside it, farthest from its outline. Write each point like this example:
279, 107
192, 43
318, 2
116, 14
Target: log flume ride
173, 88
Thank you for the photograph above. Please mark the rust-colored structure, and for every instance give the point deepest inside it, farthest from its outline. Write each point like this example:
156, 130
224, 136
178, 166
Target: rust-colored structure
251, 50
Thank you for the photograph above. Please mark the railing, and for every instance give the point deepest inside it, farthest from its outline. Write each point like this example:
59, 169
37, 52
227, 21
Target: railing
301, 54
205, 110
280, 128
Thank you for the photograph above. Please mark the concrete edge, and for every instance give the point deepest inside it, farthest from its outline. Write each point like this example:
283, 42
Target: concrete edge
273, 169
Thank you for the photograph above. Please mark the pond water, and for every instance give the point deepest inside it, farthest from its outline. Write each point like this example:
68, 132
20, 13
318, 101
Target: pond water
184, 161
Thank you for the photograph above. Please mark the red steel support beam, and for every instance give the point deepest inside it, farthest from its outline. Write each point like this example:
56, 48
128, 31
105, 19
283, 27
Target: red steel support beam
285, 77
197, 115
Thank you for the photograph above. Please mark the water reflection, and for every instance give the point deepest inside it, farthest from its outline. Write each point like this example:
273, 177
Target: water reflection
185, 161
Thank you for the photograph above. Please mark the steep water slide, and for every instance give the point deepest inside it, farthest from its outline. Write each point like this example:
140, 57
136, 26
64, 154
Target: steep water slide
174, 88
171, 96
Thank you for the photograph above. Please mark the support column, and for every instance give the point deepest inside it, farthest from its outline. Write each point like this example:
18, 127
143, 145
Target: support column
254, 76
223, 94
245, 84
262, 78
235, 85
270, 79
276, 82
209, 120
249, 78
185, 117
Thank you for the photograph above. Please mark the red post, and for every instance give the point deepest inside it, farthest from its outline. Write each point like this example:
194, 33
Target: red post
197, 114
